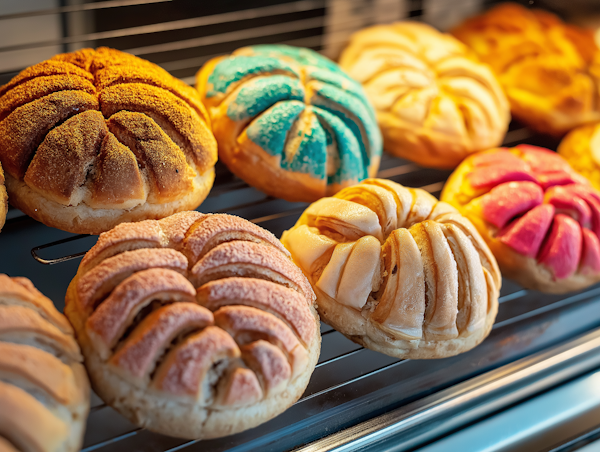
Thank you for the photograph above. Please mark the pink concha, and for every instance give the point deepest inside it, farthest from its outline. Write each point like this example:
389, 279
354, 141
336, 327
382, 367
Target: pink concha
590, 256
525, 235
552, 179
542, 160
562, 250
502, 157
490, 176
566, 203
508, 200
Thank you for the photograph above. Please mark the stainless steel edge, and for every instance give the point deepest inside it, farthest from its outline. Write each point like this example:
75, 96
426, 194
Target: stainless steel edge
433, 416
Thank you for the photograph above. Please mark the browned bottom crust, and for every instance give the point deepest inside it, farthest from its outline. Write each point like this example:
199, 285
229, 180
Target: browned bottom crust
367, 333
83, 219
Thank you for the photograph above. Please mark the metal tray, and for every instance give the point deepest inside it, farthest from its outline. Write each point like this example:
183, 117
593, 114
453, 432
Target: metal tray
356, 397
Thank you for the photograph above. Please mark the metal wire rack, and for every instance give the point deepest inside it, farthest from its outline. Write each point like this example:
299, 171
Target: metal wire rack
350, 384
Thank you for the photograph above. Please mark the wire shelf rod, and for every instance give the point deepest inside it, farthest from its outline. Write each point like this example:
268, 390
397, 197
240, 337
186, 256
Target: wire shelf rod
288, 8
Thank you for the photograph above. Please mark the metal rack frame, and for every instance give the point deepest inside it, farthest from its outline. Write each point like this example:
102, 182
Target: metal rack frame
356, 397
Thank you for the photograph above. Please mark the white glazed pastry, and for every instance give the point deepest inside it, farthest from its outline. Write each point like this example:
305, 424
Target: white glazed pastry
397, 271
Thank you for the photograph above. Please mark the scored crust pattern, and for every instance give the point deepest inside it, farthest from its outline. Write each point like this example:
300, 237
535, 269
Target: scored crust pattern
296, 115
435, 103
540, 218
196, 326
397, 271
44, 390
549, 70
95, 137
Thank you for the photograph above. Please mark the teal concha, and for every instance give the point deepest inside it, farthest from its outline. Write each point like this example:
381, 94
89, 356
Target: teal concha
290, 122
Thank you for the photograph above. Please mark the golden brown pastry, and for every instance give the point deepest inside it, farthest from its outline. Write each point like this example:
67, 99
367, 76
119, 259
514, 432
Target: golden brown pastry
196, 326
3, 200
44, 390
289, 121
581, 149
549, 70
435, 102
93, 138
539, 217
397, 271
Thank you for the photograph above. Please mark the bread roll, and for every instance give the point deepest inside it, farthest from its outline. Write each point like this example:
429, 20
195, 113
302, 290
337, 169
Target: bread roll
397, 271
549, 70
581, 149
435, 102
539, 217
289, 121
196, 326
93, 138
44, 390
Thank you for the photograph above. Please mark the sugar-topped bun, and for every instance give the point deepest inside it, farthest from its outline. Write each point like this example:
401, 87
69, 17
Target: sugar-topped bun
581, 149
196, 326
539, 217
93, 138
397, 271
550, 71
289, 121
435, 102
3, 199
44, 390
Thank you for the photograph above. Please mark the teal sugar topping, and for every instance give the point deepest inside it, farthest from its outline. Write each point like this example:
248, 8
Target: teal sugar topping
344, 82
270, 129
357, 112
311, 155
259, 94
304, 56
233, 69
351, 165
344, 117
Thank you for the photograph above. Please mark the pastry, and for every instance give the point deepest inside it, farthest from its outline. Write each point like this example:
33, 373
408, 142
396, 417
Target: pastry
581, 149
289, 121
549, 70
44, 390
3, 200
196, 326
435, 102
397, 271
93, 138
539, 217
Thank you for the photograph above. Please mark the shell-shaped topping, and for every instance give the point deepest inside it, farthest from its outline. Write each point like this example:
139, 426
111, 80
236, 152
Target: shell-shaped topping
102, 279
185, 367
115, 314
38, 369
20, 411
296, 108
425, 282
540, 218
21, 292
213, 230
546, 67
287, 304
246, 324
435, 103
22, 325
158, 325
152, 336
248, 259
128, 137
